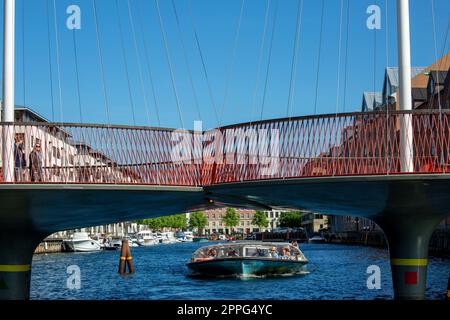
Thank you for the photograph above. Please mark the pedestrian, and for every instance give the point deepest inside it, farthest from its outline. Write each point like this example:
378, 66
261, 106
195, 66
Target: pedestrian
20, 163
35, 164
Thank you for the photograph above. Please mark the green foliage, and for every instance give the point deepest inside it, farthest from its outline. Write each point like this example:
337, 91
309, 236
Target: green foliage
290, 219
231, 218
198, 220
175, 221
260, 219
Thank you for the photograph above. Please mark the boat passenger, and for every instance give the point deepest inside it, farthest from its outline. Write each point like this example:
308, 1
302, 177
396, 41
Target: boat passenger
274, 253
294, 244
212, 253
285, 253
232, 253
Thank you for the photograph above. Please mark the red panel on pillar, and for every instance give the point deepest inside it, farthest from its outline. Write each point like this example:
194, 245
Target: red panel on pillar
411, 277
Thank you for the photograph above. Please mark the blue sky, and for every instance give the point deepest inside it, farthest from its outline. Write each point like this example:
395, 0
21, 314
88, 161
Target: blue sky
216, 23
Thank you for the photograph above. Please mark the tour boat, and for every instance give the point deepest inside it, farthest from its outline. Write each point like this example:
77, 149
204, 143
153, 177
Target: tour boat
81, 242
248, 259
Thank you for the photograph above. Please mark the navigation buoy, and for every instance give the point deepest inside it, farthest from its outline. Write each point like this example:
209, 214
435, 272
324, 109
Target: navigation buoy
125, 258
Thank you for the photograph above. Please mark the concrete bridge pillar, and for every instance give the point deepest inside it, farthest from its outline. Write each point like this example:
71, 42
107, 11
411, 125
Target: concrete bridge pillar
16, 253
408, 237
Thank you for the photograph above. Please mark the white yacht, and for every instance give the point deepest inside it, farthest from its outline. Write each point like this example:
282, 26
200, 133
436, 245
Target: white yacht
185, 236
316, 239
146, 238
167, 237
81, 242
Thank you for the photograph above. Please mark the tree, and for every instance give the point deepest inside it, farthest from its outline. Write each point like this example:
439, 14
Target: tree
290, 219
260, 219
198, 220
174, 221
231, 218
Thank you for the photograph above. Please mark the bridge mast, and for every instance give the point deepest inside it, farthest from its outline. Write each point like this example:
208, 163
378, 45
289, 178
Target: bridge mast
405, 97
8, 90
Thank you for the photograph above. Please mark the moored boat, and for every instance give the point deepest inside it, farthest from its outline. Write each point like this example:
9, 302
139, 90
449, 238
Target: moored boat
200, 239
248, 259
81, 242
146, 238
316, 239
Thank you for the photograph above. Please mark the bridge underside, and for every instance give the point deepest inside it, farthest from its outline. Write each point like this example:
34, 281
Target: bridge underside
407, 207
52, 208
364, 196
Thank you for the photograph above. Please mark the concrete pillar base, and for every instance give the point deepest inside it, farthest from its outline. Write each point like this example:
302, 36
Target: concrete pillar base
16, 254
408, 238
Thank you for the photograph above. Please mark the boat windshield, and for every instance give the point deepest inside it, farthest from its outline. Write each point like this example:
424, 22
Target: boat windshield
265, 250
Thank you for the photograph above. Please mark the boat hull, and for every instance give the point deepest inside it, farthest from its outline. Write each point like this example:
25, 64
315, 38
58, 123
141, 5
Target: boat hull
246, 267
81, 246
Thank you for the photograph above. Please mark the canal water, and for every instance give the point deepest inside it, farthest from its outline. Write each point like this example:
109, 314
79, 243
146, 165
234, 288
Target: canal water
335, 272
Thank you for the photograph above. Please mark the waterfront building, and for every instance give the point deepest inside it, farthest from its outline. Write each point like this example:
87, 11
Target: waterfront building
245, 226
342, 224
314, 223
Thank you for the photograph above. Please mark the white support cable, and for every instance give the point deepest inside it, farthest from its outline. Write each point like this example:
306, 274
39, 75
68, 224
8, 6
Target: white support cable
74, 39
295, 58
23, 56
100, 56
233, 61
172, 77
387, 96
125, 62
269, 60
374, 61
433, 16
50, 60
260, 59
138, 60
339, 58
186, 60
202, 58
346, 57
149, 71
58, 62
319, 57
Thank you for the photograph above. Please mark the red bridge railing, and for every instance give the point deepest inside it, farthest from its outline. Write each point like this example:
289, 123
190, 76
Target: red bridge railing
326, 145
331, 145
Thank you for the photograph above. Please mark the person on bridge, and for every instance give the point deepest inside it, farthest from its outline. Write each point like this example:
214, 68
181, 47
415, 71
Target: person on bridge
36, 164
19, 159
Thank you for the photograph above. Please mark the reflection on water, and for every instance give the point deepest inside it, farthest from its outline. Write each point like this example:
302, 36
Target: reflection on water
334, 272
